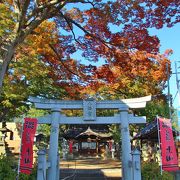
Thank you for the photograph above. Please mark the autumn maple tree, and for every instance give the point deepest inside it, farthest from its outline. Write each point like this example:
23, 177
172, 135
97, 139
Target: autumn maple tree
38, 70
27, 76
113, 30
39, 40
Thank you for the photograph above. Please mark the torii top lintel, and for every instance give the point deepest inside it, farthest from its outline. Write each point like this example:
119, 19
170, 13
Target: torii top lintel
78, 104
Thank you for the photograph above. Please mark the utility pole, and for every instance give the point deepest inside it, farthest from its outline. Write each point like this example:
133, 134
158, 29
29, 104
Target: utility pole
169, 98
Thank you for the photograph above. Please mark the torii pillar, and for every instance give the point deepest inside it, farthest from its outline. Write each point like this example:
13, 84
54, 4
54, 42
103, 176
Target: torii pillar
126, 146
53, 146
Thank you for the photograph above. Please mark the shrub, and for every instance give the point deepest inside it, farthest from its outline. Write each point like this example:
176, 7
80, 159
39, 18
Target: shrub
7, 166
151, 171
8, 170
32, 176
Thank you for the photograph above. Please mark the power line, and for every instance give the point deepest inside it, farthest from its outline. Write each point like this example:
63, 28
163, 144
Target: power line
177, 81
175, 97
169, 98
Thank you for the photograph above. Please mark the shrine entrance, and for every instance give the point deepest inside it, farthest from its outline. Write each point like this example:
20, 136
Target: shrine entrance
89, 107
88, 141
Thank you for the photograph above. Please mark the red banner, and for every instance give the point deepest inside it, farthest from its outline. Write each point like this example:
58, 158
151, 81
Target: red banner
29, 129
110, 145
70, 146
168, 149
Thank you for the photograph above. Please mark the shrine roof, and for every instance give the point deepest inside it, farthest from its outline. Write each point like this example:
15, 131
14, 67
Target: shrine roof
5, 129
150, 132
77, 133
90, 132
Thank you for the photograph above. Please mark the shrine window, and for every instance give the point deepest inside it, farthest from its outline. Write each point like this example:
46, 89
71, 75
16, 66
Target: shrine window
88, 145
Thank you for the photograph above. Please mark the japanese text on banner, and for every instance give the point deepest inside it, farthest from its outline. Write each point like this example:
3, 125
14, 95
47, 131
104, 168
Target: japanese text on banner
29, 129
168, 149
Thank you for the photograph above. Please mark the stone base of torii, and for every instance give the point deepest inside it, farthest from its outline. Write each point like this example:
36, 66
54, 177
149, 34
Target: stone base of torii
130, 160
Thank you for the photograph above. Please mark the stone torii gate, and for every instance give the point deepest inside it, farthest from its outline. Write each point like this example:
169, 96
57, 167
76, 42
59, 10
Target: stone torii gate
89, 107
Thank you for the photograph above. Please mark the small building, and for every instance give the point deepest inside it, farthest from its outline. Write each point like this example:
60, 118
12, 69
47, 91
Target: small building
10, 139
88, 142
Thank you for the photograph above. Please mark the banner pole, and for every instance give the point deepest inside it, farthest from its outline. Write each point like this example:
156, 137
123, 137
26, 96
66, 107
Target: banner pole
18, 171
159, 142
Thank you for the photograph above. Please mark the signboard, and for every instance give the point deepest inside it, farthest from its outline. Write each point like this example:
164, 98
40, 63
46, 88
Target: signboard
26, 160
89, 110
168, 149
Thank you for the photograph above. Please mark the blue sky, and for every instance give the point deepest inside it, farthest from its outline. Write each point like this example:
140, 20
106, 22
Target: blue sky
170, 39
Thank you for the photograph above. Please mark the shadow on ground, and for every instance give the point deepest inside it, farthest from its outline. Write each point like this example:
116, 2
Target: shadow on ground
90, 169
85, 174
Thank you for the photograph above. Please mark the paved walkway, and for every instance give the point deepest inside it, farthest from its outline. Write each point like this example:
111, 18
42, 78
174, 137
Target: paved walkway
90, 169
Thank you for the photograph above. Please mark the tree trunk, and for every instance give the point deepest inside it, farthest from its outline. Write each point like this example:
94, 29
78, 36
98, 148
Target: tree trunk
6, 60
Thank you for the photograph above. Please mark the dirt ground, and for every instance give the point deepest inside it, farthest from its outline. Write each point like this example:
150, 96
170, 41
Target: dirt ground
90, 169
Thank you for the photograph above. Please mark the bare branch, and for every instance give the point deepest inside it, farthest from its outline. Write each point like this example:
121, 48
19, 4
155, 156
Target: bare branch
17, 8
84, 30
22, 14
50, 7
50, 3
25, 7
34, 23
70, 26
81, 1
89, 2
55, 51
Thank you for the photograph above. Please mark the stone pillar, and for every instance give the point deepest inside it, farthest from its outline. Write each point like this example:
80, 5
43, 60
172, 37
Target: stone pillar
126, 146
57, 168
41, 172
112, 149
136, 164
53, 149
177, 175
97, 147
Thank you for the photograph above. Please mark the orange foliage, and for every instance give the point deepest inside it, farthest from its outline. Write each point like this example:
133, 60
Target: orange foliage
117, 32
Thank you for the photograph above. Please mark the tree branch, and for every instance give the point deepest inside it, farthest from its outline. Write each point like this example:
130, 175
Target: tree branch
17, 8
89, 2
55, 51
70, 26
84, 30
50, 5
25, 7
22, 14
82, 1
118, 91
